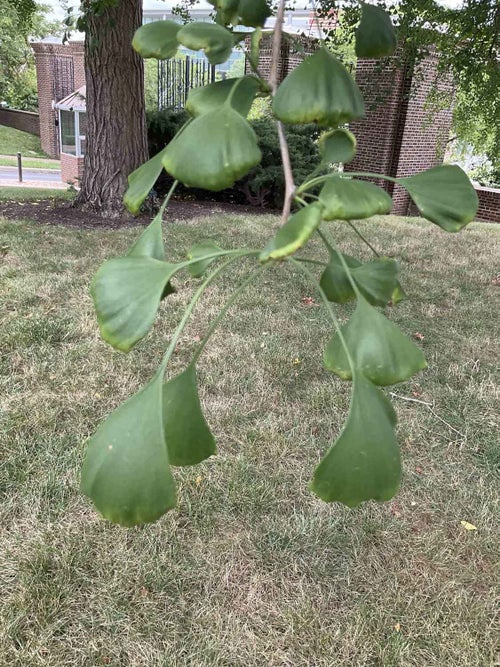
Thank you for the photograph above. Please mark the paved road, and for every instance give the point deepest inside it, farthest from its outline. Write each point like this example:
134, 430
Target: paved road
45, 175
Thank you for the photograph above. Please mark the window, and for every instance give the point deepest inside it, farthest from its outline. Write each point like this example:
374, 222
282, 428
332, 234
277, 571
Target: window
68, 132
73, 126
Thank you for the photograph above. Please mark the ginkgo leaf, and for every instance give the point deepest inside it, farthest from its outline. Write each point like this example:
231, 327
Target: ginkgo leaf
320, 90
377, 280
214, 150
150, 242
349, 199
157, 40
444, 195
205, 252
141, 182
210, 98
364, 462
337, 146
253, 13
213, 39
126, 470
375, 36
294, 233
188, 437
378, 348
127, 292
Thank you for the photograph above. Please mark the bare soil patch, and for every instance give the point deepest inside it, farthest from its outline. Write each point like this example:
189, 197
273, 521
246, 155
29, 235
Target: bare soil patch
54, 212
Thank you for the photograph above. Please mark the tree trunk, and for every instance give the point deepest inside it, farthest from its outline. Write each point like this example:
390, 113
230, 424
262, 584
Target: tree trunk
116, 117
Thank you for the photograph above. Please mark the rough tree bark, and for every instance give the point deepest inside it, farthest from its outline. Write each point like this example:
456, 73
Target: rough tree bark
116, 117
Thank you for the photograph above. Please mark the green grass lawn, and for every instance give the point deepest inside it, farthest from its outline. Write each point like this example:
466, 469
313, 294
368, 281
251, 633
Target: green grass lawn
34, 194
251, 569
30, 163
13, 141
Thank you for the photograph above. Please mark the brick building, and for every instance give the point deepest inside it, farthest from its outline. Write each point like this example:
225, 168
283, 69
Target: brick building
60, 72
402, 133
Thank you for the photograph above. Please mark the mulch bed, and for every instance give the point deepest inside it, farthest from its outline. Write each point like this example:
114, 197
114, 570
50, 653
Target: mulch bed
51, 212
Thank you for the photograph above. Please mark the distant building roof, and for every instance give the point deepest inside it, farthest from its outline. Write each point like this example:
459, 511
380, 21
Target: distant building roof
74, 102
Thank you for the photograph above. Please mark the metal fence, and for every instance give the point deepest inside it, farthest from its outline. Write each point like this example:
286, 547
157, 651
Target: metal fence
177, 76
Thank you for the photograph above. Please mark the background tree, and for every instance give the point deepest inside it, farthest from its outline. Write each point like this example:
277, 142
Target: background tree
116, 121
18, 24
467, 39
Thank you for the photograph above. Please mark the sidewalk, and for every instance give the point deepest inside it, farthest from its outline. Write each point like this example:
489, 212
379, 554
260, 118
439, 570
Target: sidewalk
46, 185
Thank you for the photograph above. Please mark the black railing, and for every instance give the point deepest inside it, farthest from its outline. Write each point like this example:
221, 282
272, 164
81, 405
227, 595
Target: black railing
177, 76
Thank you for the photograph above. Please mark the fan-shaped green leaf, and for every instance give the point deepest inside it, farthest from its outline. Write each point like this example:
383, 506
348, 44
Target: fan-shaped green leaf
444, 195
213, 39
212, 97
377, 280
203, 251
375, 36
157, 40
294, 233
150, 242
364, 462
253, 13
126, 470
227, 11
127, 292
187, 434
334, 280
337, 146
213, 151
348, 199
378, 348
320, 90
141, 181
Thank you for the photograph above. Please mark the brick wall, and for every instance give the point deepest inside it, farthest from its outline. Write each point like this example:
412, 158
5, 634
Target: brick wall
403, 133
71, 168
489, 204
60, 70
26, 121
292, 54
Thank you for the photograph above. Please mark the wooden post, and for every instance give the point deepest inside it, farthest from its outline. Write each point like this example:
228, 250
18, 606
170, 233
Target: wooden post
20, 167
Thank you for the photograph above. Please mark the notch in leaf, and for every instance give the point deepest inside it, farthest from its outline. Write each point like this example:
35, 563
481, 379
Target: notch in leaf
364, 462
127, 292
294, 234
214, 151
337, 146
349, 199
380, 351
157, 40
375, 36
320, 90
213, 39
126, 471
188, 437
444, 195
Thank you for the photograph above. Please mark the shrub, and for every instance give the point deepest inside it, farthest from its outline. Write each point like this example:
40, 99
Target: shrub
264, 186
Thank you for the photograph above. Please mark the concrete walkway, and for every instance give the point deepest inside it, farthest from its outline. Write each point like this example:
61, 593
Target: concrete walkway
32, 178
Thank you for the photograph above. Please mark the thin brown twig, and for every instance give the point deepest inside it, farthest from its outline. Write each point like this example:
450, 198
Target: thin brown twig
429, 407
273, 82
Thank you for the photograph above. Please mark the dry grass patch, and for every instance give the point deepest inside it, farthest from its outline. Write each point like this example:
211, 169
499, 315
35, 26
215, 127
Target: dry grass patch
250, 569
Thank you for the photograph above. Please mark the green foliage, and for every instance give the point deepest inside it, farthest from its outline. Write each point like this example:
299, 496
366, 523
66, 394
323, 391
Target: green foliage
127, 467
20, 22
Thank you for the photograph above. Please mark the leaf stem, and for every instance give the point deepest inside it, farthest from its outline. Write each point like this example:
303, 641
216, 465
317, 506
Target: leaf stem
355, 229
187, 313
216, 321
273, 82
321, 179
167, 199
330, 310
325, 241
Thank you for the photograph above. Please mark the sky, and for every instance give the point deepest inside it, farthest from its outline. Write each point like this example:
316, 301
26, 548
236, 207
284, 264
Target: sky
58, 12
